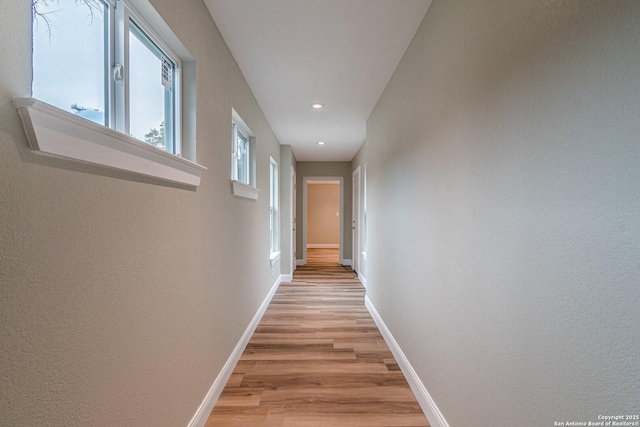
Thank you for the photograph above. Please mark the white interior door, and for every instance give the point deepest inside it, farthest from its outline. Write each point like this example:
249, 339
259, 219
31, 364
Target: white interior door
355, 220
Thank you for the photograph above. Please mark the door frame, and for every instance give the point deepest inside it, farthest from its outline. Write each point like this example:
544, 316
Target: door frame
294, 242
356, 194
305, 183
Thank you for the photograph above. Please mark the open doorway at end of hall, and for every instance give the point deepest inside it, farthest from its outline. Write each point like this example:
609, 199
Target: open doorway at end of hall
323, 220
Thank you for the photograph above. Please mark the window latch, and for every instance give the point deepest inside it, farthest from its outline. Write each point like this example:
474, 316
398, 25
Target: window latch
117, 72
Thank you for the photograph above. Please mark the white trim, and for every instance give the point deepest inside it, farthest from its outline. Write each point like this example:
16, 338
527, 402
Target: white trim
362, 279
346, 262
54, 132
241, 189
429, 407
204, 410
235, 118
286, 277
301, 261
275, 257
294, 225
326, 182
323, 245
356, 187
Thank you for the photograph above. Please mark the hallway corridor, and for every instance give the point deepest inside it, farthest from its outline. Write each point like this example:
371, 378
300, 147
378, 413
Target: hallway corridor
317, 359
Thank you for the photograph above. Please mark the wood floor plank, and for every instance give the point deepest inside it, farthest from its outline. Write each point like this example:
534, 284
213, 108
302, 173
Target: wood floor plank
344, 367
354, 420
240, 396
324, 379
317, 359
336, 396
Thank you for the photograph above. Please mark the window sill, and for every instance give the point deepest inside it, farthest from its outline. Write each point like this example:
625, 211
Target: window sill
275, 257
55, 132
243, 190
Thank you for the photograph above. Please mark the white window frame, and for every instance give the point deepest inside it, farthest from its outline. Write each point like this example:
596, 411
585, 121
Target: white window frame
56, 132
124, 13
363, 228
245, 188
239, 132
274, 211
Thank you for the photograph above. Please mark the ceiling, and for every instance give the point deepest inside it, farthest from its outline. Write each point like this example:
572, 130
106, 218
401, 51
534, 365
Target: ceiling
341, 53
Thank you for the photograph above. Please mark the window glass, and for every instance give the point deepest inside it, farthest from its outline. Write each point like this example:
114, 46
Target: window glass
242, 156
69, 56
273, 205
151, 102
75, 46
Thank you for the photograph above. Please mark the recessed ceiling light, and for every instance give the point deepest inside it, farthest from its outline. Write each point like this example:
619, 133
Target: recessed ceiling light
317, 105
320, 142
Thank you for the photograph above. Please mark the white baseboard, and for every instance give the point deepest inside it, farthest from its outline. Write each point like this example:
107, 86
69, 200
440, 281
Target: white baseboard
362, 279
323, 246
203, 412
301, 261
429, 407
286, 277
346, 262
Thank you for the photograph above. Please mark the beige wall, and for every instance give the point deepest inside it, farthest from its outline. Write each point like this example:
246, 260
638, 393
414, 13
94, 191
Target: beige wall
326, 169
121, 297
323, 208
504, 212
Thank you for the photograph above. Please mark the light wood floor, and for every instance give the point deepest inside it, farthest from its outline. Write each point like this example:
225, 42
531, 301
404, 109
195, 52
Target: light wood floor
317, 359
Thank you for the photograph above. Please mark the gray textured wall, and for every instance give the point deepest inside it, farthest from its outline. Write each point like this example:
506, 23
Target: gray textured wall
504, 209
121, 297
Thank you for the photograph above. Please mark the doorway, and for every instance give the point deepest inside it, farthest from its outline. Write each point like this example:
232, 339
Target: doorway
355, 219
294, 240
322, 216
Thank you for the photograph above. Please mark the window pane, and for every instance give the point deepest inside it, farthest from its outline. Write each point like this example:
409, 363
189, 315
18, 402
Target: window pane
273, 205
151, 103
69, 56
243, 159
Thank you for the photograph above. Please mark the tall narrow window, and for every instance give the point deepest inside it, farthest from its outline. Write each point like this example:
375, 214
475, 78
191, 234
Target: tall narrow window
364, 210
243, 159
242, 151
100, 60
273, 208
241, 154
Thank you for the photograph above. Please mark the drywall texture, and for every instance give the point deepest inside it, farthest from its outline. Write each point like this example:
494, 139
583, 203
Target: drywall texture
504, 209
323, 219
325, 169
122, 297
287, 162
